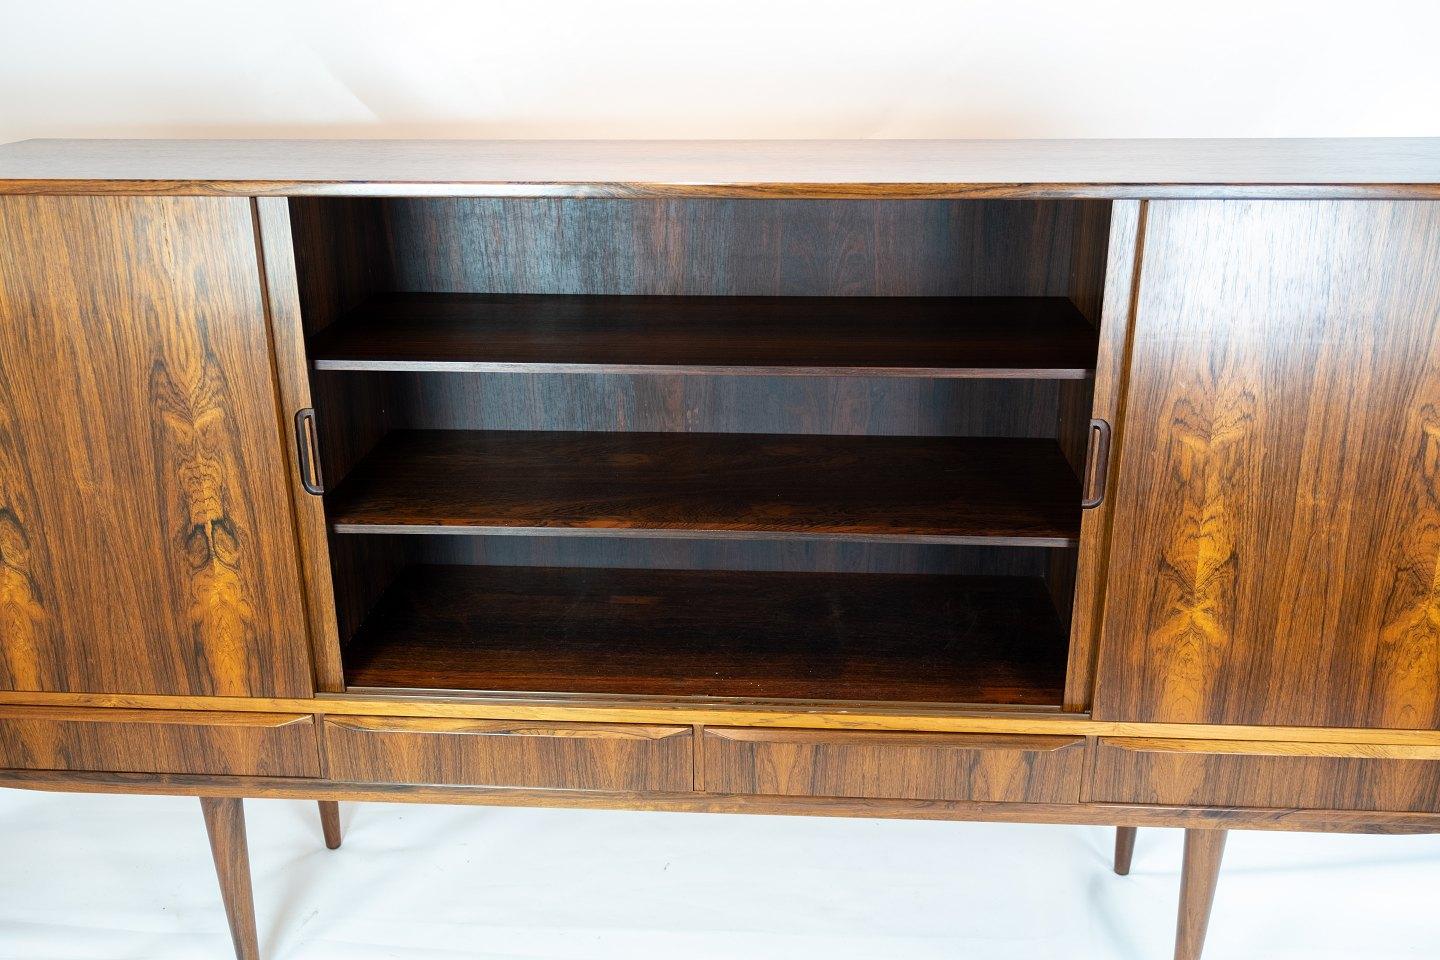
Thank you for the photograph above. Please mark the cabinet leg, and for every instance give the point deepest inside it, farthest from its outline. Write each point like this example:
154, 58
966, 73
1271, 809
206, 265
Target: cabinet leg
1198, 875
330, 822
1124, 849
225, 822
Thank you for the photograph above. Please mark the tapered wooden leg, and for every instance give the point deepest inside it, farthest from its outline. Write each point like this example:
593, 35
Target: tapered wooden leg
330, 822
1124, 849
225, 822
1201, 869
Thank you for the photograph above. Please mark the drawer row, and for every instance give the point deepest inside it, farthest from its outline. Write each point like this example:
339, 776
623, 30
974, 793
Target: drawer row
663, 759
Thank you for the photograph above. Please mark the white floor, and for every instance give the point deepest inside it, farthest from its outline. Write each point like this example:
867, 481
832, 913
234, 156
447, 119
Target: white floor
130, 877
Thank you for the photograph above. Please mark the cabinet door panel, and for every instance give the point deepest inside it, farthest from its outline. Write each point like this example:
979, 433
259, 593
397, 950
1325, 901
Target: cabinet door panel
146, 541
1275, 554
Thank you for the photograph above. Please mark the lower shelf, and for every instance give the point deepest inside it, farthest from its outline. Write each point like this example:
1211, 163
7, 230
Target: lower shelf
720, 634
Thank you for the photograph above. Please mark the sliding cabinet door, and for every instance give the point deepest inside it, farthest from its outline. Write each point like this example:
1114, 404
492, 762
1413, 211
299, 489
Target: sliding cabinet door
146, 537
1275, 549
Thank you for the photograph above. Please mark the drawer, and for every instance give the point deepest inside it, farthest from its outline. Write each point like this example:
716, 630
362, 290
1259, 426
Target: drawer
1317, 776
504, 753
898, 766
159, 741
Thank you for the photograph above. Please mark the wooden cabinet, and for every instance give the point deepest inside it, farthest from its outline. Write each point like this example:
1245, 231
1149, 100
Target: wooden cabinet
1072, 482
146, 542
1275, 553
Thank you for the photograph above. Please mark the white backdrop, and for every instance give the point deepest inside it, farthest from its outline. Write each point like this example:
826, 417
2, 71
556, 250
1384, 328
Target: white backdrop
742, 68
104, 877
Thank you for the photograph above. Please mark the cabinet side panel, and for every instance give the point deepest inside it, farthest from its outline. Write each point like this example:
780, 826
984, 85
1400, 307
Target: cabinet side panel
1275, 557
146, 538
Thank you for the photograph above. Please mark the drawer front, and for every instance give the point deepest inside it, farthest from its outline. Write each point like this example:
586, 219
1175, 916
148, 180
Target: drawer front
159, 741
503, 753
897, 766
1322, 776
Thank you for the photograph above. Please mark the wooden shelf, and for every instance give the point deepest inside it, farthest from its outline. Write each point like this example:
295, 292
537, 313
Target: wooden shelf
687, 633
961, 490
956, 337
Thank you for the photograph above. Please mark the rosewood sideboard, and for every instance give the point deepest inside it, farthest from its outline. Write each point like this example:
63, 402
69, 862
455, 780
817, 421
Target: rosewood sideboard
1072, 482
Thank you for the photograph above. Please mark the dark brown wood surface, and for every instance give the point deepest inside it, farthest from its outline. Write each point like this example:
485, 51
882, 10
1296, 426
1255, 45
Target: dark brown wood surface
906, 766
1228, 774
1124, 849
953, 490
570, 756
146, 537
1000, 337
859, 168
225, 823
159, 741
330, 823
1198, 879
1275, 555
869, 637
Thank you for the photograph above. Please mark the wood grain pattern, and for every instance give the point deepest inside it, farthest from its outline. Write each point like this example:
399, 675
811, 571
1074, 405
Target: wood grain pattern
1155, 771
685, 633
1198, 878
1124, 849
1280, 529
958, 490
277, 259
145, 527
1101, 814
158, 741
225, 823
1127, 227
571, 756
818, 168
907, 766
967, 337
330, 823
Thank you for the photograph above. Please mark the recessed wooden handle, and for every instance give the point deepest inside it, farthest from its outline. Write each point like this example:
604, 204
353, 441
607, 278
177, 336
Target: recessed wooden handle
308, 451
1097, 464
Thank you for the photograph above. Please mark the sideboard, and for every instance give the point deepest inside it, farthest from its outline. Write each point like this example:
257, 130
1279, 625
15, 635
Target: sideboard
1049, 481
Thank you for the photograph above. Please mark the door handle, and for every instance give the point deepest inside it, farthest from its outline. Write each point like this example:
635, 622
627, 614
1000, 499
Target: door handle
307, 446
1097, 465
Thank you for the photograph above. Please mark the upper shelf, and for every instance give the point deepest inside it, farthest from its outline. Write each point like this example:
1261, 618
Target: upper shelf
958, 490
836, 169
956, 337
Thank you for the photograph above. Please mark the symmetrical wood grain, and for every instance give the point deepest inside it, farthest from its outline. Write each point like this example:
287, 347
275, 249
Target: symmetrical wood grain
159, 741
760, 168
1276, 547
688, 633
1221, 774
1001, 491
907, 766
145, 527
571, 756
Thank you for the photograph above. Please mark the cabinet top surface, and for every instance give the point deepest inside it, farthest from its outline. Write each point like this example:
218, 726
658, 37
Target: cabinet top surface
1329, 168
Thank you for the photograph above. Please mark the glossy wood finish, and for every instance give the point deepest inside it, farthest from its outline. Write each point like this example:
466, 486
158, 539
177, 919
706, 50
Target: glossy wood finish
330, 823
1095, 814
758, 168
967, 337
959, 490
686, 633
570, 756
146, 540
1280, 531
906, 766
158, 741
1225, 774
225, 824
1124, 849
1198, 878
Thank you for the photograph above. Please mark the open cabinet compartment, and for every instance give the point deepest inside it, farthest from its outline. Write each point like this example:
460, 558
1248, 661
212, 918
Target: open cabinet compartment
809, 450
